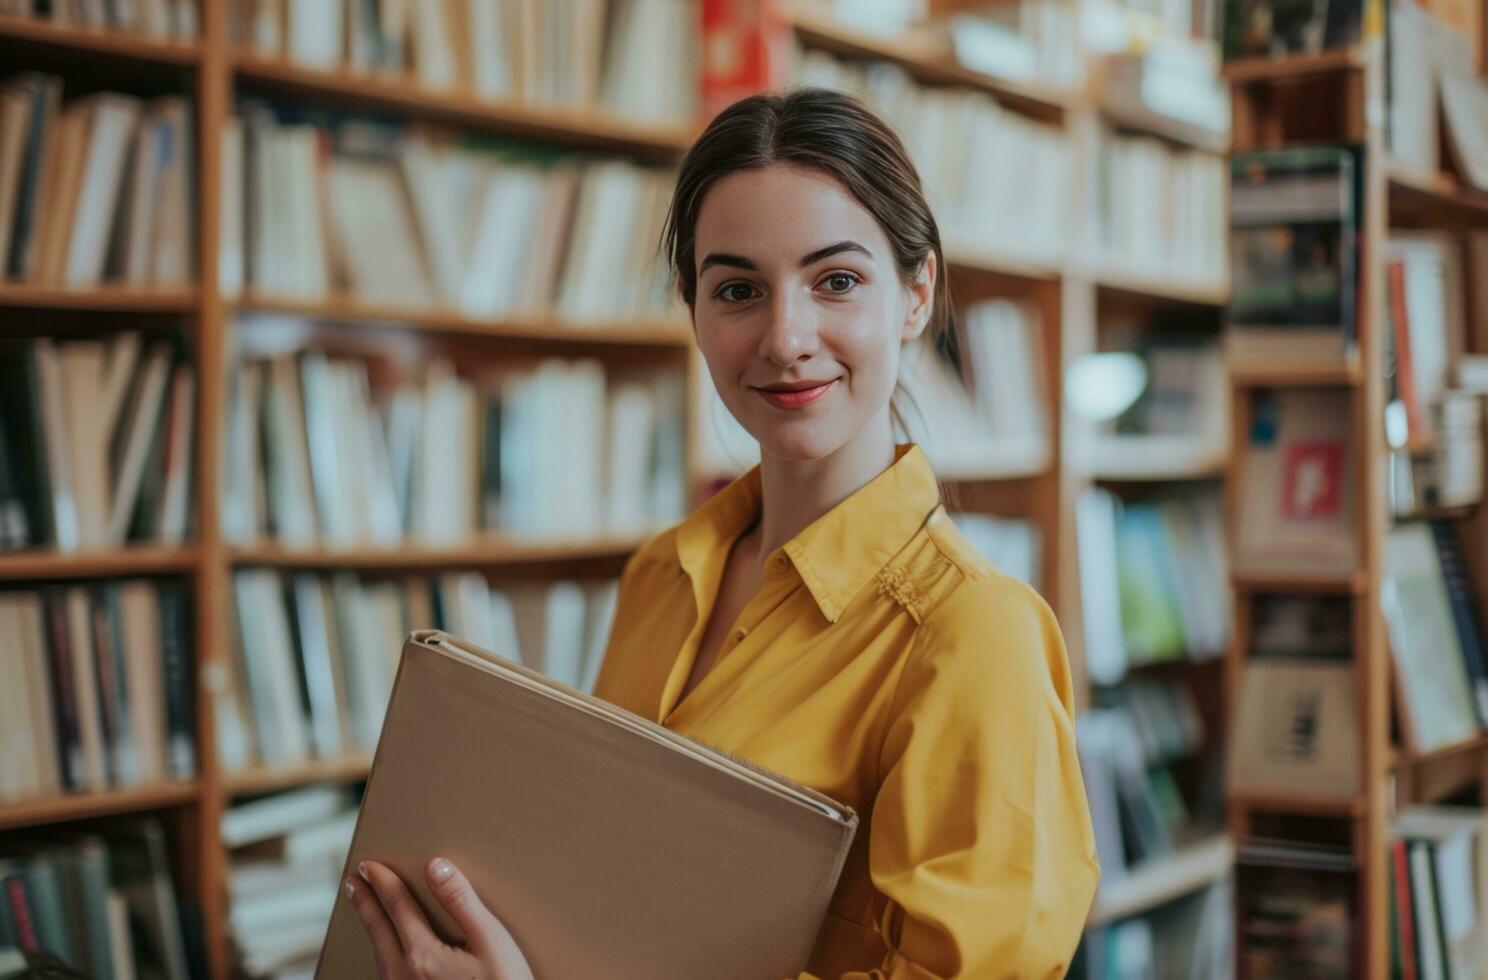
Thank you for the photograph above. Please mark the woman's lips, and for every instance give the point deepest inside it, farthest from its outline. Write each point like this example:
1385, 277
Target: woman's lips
796, 399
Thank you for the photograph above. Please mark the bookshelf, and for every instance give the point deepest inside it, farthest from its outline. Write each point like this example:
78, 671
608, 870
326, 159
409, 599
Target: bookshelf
1074, 291
1348, 88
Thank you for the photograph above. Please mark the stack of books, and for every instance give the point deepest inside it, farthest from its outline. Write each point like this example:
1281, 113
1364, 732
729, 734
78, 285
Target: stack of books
102, 902
380, 215
95, 443
997, 180
158, 19
1162, 209
99, 691
315, 454
316, 655
1153, 583
634, 58
95, 190
286, 853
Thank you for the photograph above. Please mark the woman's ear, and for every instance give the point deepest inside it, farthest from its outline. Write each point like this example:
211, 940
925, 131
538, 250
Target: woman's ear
921, 299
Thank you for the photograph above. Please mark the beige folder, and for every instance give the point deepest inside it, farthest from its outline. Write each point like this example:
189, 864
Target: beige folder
609, 845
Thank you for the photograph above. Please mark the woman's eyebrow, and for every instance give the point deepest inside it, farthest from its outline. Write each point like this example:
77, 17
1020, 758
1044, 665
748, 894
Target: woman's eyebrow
739, 262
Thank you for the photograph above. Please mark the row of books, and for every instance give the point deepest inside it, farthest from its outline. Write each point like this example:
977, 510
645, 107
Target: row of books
99, 688
996, 179
1437, 98
1153, 581
97, 189
1436, 638
316, 656
384, 215
160, 19
634, 58
1438, 886
1128, 746
102, 903
1191, 938
1162, 208
286, 853
553, 449
1294, 732
1025, 41
1179, 420
1447, 472
977, 401
1298, 910
95, 442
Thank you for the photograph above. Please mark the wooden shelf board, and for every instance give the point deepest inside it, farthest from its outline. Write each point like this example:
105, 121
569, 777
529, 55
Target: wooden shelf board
649, 333
922, 54
1141, 459
1110, 275
402, 94
119, 44
479, 554
1163, 879
83, 806
269, 779
1247, 70
107, 299
1352, 583
1430, 200
143, 560
1404, 759
1283, 374
1300, 806
1138, 117
997, 261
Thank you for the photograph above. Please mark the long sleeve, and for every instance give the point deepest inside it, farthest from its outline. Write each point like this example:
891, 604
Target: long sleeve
980, 835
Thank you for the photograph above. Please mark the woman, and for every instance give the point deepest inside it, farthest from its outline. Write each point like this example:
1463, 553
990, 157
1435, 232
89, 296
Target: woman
821, 615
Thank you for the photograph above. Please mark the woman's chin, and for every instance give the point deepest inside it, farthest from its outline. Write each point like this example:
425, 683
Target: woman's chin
798, 441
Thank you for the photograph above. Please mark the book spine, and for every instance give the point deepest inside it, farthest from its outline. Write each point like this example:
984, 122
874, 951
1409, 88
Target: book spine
20, 912
176, 662
69, 739
1460, 599
1404, 909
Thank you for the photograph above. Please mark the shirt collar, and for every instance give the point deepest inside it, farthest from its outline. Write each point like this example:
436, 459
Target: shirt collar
838, 553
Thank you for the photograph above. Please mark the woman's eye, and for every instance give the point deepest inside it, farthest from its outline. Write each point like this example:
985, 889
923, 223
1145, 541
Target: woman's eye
735, 292
841, 282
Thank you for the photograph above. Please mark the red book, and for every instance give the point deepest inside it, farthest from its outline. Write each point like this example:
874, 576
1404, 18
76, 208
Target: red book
746, 50
20, 913
1404, 909
1405, 371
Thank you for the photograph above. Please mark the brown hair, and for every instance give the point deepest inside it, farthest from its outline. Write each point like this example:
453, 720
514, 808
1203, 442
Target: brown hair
830, 132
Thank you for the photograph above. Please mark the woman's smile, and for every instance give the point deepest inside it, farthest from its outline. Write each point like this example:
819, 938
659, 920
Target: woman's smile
795, 394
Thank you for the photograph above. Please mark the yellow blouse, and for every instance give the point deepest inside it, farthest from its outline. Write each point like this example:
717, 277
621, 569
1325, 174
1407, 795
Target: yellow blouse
888, 665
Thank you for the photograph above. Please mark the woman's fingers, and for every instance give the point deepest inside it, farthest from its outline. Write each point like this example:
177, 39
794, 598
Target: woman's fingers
379, 928
401, 907
453, 890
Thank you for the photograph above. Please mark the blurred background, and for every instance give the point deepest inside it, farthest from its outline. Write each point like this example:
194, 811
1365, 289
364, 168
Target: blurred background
322, 320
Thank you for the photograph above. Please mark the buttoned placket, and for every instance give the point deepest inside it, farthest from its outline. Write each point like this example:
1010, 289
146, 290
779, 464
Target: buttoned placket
751, 615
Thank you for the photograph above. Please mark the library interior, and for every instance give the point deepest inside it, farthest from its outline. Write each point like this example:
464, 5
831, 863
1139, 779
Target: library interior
272, 234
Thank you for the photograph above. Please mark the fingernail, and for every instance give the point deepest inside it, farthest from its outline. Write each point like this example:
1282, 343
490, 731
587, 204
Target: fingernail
362, 870
350, 888
441, 869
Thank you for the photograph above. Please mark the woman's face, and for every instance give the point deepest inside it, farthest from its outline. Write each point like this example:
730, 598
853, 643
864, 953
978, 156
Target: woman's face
800, 312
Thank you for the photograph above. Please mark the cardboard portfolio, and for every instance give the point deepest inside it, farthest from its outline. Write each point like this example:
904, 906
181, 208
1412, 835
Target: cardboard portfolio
609, 845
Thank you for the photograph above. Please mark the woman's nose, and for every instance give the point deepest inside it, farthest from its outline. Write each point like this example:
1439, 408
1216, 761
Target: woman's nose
791, 332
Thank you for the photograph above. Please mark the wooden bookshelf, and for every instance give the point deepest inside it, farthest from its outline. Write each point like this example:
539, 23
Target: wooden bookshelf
118, 45
271, 779
1157, 882
1298, 374
105, 299
589, 127
416, 557
1296, 66
87, 806
1067, 292
543, 329
19, 566
924, 54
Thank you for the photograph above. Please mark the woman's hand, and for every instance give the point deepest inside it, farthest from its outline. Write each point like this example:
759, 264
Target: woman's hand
405, 944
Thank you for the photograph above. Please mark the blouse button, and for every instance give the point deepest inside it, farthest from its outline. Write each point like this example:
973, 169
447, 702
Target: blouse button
781, 561
740, 633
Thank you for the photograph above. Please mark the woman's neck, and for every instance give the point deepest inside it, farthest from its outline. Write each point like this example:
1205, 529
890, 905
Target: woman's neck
795, 492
